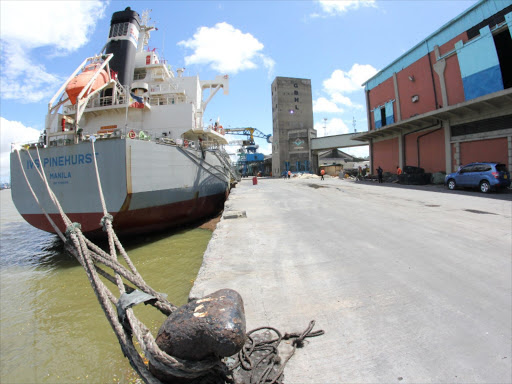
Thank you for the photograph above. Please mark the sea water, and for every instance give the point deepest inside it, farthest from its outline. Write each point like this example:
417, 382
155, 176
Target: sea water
52, 328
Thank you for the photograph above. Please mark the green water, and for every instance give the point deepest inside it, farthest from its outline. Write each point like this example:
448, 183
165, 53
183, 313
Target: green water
51, 325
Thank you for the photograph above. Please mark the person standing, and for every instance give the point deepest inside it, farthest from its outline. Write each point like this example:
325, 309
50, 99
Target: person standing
289, 174
379, 174
322, 172
398, 170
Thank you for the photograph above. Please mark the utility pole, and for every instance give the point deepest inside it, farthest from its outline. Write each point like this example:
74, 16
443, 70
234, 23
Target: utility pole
325, 126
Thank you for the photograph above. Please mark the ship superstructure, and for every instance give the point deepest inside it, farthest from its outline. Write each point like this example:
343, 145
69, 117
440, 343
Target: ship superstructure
159, 165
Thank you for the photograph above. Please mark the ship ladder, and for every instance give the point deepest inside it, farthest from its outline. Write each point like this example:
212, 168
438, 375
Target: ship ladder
125, 324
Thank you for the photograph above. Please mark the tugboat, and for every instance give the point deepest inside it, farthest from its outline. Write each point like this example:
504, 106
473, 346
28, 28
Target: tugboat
159, 165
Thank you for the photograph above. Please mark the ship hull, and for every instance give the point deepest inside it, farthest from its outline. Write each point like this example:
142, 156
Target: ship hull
147, 186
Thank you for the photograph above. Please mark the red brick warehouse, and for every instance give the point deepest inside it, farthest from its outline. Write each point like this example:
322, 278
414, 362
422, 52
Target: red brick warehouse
448, 100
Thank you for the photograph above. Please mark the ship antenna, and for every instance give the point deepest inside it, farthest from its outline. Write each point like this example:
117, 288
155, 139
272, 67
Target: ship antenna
145, 17
146, 27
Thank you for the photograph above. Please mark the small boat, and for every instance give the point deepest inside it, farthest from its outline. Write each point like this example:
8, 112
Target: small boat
89, 80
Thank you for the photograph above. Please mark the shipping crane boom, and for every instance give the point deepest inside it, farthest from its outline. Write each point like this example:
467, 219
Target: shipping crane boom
249, 131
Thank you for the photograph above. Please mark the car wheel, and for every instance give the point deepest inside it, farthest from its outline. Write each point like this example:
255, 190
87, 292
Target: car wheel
451, 184
485, 186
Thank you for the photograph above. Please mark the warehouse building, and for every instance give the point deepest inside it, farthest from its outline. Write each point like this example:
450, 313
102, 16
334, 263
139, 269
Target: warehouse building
448, 100
292, 120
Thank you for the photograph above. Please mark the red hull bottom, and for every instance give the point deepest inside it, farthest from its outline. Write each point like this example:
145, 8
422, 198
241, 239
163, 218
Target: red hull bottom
139, 220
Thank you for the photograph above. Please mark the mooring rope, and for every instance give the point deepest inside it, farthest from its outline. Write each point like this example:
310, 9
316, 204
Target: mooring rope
266, 366
52, 223
221, 158
124, 322
88, 254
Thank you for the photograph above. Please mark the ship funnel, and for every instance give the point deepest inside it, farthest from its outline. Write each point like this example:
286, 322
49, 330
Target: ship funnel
122, 42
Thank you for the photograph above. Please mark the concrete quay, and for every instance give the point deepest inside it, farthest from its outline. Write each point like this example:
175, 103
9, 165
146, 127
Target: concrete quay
410, 285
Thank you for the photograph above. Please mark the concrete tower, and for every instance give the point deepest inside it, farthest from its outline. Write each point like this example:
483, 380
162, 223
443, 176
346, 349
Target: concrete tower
292, 118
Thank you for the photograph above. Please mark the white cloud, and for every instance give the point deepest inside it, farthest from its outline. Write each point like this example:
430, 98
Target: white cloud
24, 80
27, 25
226, 49
344, 100
333, 126
363, 151
333, 7
323, 105
34, 24
265, 148
346, 82
12, 132
340, 83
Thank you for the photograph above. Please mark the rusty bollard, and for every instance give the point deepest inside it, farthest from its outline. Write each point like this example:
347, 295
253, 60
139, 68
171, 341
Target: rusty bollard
213, 326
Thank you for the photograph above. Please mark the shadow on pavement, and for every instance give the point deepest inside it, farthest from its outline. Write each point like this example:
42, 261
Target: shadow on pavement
504, 194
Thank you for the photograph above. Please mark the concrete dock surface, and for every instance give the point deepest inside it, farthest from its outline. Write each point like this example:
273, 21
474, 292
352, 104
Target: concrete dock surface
410, 285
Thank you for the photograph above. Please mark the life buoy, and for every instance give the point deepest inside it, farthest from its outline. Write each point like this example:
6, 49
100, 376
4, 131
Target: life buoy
131, 134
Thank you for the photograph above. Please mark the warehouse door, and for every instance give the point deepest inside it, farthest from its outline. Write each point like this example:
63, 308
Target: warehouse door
503, 42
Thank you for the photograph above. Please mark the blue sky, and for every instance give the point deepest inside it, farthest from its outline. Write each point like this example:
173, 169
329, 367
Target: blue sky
336, 44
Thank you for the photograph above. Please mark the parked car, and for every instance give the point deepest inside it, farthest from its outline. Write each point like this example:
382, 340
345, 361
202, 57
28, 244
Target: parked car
485, 176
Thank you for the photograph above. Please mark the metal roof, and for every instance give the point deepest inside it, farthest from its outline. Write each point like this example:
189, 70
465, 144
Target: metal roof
476, 109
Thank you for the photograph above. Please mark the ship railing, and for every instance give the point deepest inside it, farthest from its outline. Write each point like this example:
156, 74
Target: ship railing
167, 99
197, 145
26, 145
165, 88
98, 102
59, 139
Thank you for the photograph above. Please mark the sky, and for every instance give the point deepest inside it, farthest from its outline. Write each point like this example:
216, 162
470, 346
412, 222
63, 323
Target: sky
336, 44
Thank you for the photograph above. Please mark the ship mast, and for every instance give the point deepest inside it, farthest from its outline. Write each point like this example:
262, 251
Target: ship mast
145, 28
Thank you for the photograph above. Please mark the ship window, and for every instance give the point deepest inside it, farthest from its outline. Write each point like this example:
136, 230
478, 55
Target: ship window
139, 74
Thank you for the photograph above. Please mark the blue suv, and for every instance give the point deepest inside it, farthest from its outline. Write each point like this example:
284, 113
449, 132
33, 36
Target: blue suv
485, 176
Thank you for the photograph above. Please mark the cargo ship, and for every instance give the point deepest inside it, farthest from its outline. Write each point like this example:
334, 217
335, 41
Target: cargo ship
158, 164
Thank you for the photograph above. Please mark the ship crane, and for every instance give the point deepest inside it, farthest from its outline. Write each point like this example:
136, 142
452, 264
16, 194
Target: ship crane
249, 162
251, 133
